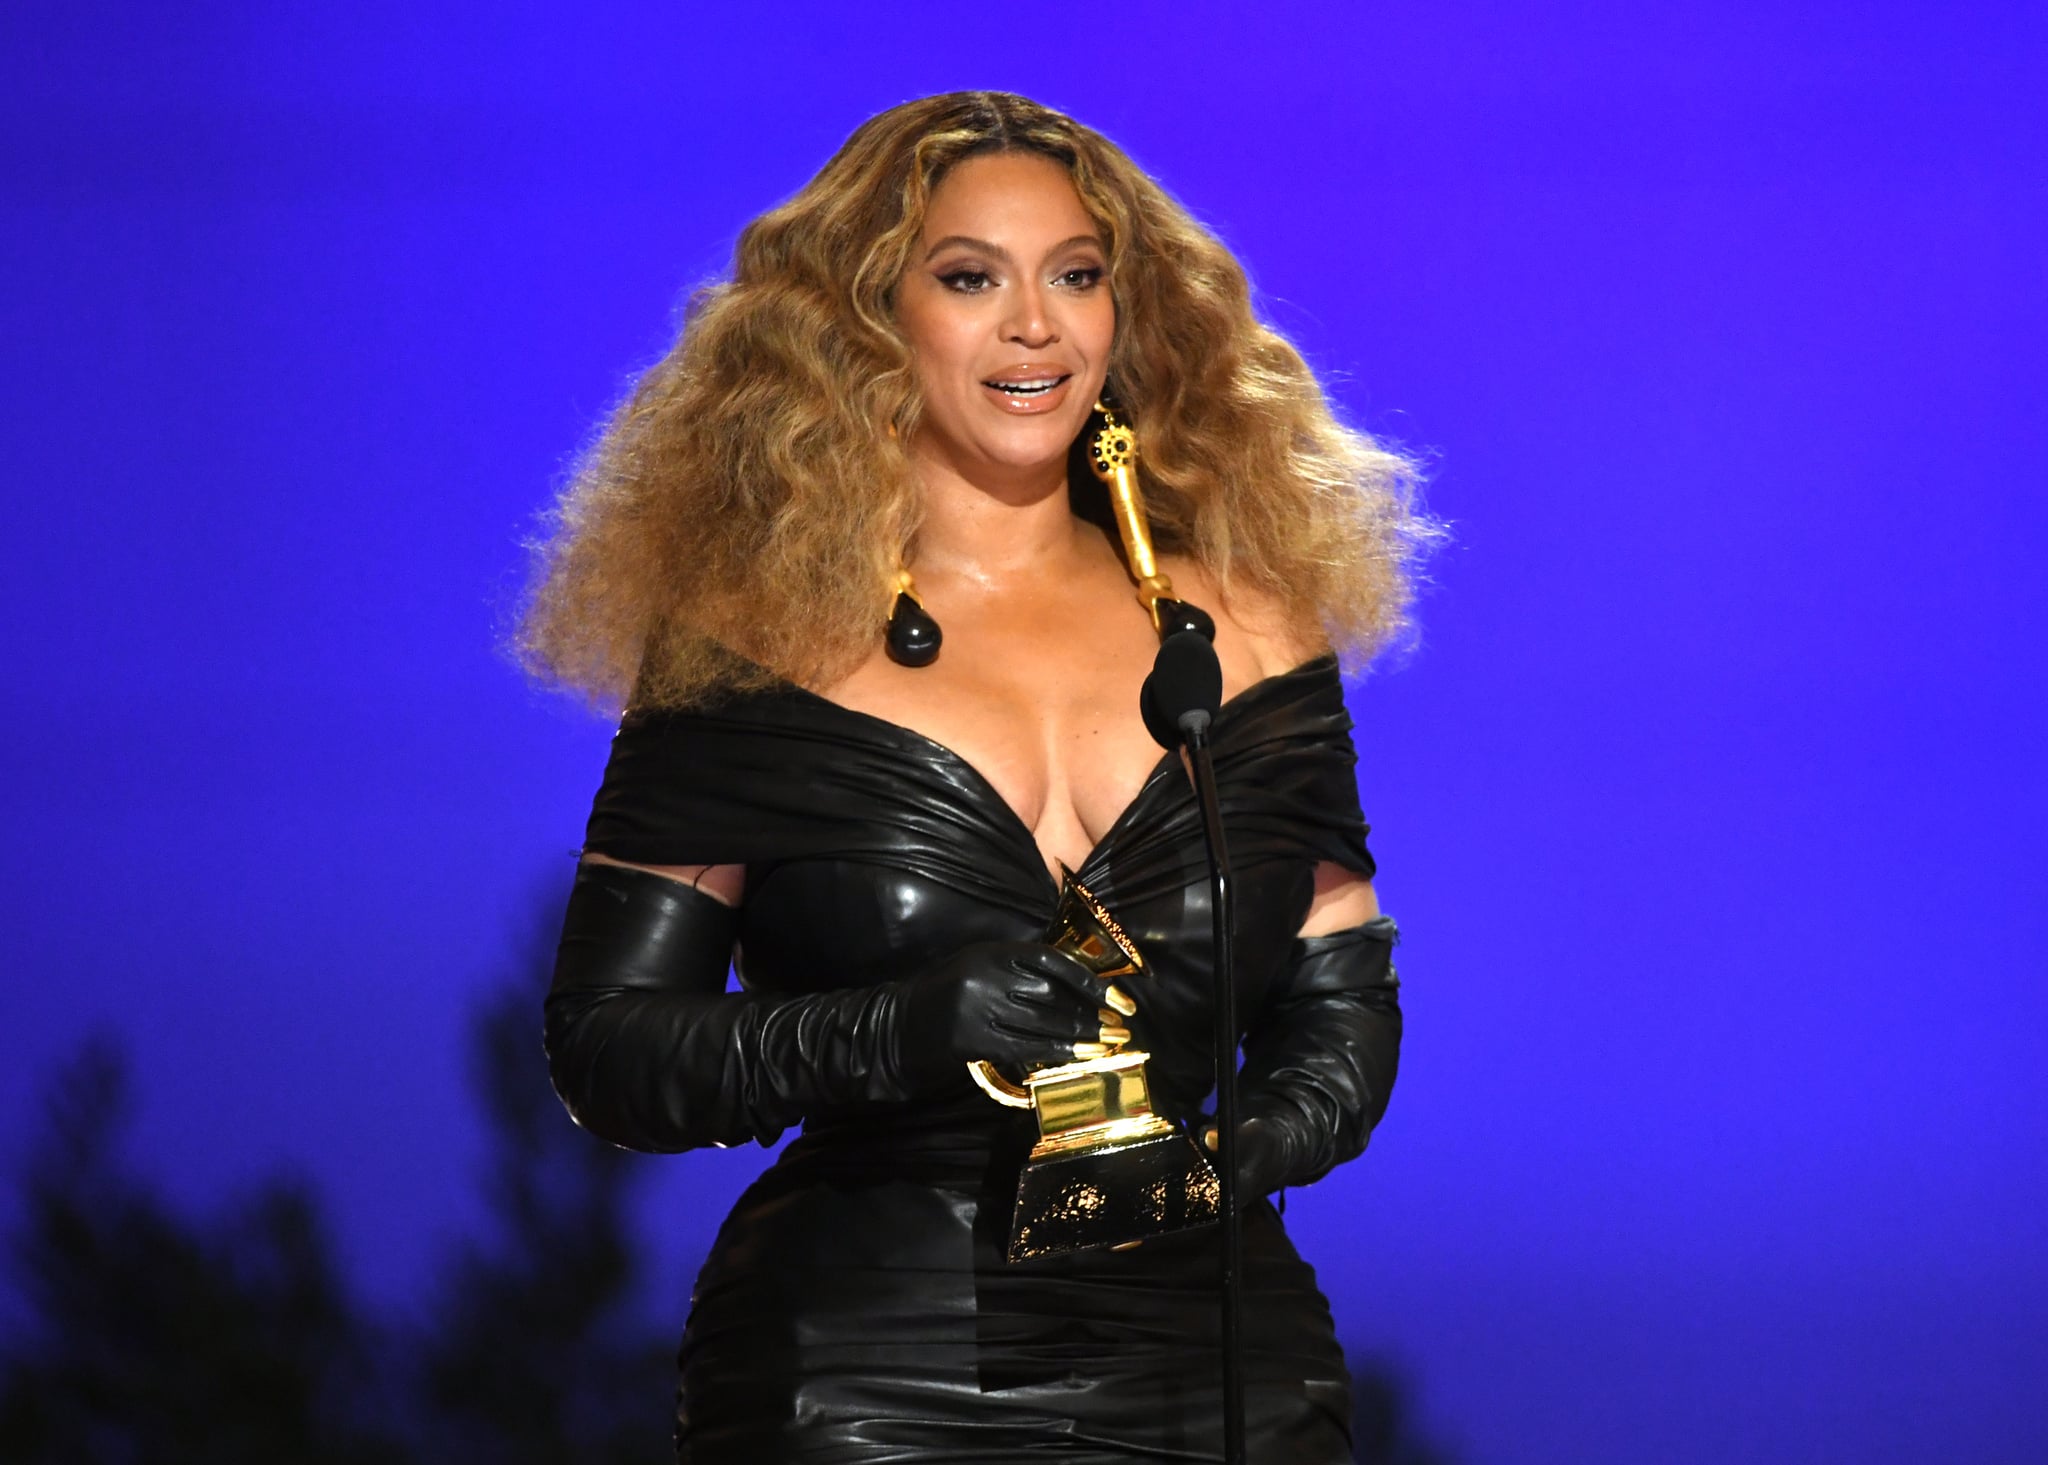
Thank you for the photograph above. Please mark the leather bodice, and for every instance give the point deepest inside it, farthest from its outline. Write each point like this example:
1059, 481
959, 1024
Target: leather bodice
872, 850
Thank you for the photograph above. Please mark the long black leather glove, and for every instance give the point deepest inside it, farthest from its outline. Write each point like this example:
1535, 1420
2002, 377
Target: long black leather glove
1018, 1004
648, 1050
1320, 1060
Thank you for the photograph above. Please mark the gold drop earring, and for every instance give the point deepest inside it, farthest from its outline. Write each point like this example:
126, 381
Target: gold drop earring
1113, 457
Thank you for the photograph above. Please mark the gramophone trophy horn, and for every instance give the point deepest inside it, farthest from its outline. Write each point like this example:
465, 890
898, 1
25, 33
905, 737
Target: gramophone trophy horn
1106, 1170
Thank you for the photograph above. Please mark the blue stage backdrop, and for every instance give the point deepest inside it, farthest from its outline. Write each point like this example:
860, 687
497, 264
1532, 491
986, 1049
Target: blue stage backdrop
1710, 800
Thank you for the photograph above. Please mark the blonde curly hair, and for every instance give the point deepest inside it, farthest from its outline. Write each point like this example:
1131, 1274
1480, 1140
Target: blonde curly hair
736, 520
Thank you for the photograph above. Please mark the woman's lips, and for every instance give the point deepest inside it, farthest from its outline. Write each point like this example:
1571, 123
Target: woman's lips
1035, 399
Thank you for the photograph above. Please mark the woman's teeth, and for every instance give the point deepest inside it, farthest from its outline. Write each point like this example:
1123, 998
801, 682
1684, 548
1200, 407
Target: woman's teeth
1026, 389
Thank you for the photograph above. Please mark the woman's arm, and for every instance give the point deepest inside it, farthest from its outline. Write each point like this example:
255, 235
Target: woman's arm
1321, 1055
723, 883
648, 1050
1342, 899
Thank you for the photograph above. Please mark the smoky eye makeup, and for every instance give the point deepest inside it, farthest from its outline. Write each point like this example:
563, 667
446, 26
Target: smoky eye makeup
965, 279
972, 277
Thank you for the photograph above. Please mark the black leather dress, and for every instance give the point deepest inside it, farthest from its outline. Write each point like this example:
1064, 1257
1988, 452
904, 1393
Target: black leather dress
857, 1305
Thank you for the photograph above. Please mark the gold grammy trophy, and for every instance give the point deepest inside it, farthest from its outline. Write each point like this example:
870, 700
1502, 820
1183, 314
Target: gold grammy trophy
1106, 1170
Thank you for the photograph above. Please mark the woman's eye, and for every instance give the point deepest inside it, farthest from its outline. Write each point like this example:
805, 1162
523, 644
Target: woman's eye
1086, 278
967, 282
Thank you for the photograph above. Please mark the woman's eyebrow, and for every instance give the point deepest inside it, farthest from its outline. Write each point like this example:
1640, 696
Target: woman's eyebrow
997, 250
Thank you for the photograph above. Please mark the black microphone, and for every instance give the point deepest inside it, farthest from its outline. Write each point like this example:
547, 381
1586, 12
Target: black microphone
1179, 701
1181, 696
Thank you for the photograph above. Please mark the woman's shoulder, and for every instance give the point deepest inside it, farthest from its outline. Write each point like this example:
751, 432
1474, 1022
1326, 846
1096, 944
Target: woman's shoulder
1257, 634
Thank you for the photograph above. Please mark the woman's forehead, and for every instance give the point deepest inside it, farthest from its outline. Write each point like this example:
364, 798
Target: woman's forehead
1008, 199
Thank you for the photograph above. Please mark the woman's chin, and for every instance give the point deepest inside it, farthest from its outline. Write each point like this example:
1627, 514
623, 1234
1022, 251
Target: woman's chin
1010, 450
1021, 447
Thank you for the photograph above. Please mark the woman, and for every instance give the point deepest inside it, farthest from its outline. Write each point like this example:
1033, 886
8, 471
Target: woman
862, 451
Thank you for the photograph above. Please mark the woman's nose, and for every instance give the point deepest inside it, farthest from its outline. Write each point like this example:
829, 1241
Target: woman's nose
1029, 322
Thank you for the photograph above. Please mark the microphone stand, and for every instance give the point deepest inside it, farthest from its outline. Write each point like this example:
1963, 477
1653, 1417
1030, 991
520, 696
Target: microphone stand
1194, 727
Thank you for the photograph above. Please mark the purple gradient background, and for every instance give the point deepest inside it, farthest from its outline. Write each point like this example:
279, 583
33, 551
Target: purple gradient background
1711, 803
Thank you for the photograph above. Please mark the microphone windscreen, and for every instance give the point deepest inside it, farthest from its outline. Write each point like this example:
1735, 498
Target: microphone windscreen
1161, 727
1185, 678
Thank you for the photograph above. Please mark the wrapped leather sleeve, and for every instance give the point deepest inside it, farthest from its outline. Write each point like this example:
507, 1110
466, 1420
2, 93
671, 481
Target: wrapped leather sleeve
648, 1050
1319, 1063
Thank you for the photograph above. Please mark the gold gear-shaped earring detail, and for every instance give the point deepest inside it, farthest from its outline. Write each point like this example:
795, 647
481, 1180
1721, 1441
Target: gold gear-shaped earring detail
1113, 456
1114, 447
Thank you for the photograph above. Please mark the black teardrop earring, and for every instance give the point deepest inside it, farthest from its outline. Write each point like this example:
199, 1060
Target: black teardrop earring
913, 637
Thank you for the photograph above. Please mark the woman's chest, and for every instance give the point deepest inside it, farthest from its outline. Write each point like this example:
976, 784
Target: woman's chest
1055, 736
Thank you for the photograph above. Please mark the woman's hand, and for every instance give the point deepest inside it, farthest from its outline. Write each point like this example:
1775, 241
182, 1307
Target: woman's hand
1018, 1004
1320, 1057
1265, 1157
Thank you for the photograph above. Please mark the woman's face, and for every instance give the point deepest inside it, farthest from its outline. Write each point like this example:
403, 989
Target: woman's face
1007, 308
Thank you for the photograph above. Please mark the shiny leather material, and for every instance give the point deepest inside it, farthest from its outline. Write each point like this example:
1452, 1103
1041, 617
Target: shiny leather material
1016, 1004
857, 1306
648, 1050
1320, 1060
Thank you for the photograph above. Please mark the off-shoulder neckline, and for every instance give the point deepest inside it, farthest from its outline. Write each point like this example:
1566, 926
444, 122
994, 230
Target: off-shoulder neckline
1006, 812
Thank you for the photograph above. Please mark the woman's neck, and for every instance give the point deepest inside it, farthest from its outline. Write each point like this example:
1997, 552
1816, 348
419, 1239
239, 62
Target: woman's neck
1019, 531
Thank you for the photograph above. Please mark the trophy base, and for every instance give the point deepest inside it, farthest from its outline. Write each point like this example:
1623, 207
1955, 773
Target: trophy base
1112, 1194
